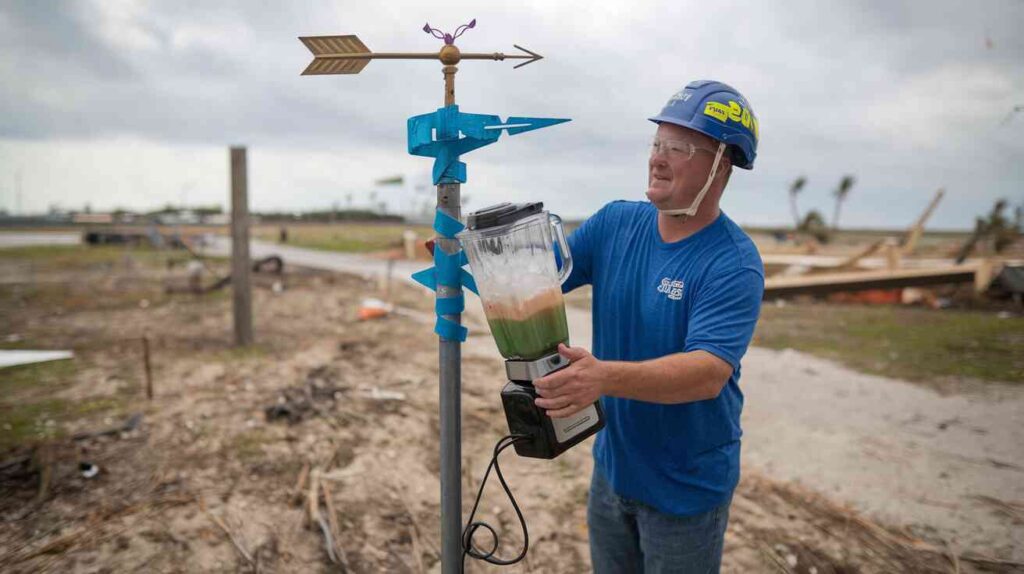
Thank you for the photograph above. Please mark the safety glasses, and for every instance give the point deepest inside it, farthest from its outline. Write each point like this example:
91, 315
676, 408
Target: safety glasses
676, 149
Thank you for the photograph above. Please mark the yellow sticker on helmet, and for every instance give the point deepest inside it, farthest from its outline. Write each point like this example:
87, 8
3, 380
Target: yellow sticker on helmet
717, 110
733, 112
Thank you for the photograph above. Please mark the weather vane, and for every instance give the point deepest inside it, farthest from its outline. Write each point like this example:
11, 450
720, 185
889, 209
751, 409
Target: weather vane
444, 134
349, 55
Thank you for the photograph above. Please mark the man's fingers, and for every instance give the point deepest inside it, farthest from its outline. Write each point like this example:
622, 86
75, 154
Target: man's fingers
553, 381
568, 411
572, 353
553, 403
552, 391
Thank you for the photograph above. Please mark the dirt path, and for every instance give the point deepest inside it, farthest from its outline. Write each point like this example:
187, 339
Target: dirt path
31, 238
902, 453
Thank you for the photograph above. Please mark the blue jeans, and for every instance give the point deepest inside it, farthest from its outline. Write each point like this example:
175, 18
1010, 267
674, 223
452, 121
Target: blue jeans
628, 536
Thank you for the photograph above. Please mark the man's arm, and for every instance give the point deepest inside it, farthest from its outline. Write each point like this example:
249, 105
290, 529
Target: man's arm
677, 378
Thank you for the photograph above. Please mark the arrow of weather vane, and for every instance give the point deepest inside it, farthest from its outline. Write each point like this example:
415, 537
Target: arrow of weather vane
349, 55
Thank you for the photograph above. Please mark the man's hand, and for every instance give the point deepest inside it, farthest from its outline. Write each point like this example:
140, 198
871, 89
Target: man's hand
574, 388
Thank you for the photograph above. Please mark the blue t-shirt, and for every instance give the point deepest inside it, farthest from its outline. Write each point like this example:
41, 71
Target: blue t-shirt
653, 299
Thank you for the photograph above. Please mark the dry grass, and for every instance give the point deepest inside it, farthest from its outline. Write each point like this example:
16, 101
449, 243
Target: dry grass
350, 237
910, 343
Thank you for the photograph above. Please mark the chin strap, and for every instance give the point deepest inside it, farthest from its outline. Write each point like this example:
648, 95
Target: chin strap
692, 210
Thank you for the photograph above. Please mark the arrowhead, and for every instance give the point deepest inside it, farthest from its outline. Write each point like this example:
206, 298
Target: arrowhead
535, 57
489, 127
530, 124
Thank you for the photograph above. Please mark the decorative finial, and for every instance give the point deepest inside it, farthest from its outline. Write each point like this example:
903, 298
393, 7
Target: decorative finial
449, 39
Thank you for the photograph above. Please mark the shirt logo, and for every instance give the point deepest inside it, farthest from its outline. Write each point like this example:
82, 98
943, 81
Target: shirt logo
672, 289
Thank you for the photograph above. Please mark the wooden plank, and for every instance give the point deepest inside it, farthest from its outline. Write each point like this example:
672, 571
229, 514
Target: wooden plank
825, 283
914, 233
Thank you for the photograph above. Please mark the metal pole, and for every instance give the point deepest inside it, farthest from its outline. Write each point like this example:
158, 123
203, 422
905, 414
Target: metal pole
241, 292
450, 389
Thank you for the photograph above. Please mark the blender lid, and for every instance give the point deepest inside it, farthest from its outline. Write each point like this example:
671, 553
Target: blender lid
502, 214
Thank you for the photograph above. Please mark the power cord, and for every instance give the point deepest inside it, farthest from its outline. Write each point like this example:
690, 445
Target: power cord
471, 527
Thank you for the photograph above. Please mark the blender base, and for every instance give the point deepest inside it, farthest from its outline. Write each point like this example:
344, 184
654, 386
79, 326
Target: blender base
548, 437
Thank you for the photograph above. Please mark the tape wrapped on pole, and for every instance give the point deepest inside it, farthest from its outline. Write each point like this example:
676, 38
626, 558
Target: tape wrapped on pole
448, 271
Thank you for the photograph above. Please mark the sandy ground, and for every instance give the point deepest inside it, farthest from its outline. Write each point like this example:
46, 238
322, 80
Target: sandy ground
902, 453
864, 475
945, 467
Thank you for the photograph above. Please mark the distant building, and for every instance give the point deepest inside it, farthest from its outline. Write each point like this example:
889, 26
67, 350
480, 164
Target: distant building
92, 218
182, 217
217, 219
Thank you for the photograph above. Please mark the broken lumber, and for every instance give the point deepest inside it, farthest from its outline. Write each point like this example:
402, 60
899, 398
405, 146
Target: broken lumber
826, 283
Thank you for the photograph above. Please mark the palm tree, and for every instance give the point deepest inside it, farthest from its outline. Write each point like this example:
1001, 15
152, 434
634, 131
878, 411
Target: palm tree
814, 225
794, 189
845, 185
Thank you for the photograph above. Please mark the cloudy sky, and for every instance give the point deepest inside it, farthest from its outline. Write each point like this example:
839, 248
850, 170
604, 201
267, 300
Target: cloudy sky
131, 103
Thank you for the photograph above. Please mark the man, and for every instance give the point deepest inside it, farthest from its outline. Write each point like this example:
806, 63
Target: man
677, 292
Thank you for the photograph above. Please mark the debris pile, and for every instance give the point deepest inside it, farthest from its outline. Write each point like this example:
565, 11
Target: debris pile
316, 395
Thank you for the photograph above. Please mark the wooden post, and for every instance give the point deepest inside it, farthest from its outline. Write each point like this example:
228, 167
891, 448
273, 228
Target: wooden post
149, 369
409, 244
892, 256
240, 287
983, 275
387, 279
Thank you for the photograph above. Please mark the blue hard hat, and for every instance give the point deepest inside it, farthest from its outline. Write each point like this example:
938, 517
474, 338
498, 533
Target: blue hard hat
718, 111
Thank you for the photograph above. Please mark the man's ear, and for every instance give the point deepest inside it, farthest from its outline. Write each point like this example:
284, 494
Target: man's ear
727, 171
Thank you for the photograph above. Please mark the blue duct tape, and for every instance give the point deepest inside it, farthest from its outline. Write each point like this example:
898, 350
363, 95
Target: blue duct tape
449, 305
447, 225
449, 173
450, 330
446, 134
448, 271
469, 282
427, 278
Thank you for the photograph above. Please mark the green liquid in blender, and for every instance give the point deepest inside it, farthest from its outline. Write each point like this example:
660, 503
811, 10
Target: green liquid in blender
532, 337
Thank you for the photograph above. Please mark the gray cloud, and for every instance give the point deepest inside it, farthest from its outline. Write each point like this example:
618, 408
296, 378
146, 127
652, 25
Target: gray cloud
907, 96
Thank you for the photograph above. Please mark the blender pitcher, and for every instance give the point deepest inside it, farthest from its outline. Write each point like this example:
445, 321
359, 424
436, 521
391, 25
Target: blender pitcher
511, 251
510, 248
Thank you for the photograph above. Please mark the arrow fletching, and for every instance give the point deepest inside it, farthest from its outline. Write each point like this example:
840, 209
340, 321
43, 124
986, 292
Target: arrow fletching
335, 55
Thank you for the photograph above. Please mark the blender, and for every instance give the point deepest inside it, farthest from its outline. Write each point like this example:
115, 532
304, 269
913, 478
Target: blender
510, 248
